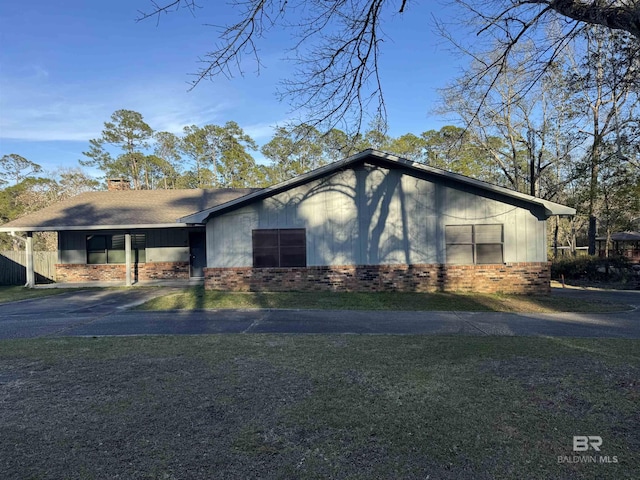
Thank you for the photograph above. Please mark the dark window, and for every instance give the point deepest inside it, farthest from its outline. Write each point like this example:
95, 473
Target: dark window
279, 248
97, 249
469, 244
111, 248
488, 240
459, 239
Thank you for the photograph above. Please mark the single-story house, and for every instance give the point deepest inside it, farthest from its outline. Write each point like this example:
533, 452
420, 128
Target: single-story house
370, 222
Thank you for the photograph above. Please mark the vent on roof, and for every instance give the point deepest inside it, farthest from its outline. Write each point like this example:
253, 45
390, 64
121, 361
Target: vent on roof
118, 184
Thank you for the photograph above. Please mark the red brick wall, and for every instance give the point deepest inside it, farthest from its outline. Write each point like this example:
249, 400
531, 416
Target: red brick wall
116, 272
508, 278
164, 271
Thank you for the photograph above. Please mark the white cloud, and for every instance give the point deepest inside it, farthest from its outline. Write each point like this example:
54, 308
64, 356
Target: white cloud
34, 110
173, 118
37, 109
261, 131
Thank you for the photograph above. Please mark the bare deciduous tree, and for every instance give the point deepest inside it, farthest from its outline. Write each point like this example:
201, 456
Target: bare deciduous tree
336, 44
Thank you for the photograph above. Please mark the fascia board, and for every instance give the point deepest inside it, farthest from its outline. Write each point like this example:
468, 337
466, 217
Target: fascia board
63, 228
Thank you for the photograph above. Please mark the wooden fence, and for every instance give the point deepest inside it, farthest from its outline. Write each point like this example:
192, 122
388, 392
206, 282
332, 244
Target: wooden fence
13, 269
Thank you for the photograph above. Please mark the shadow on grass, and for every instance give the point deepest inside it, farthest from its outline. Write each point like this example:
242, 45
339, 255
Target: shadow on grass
546, 304
199, 298
196, 298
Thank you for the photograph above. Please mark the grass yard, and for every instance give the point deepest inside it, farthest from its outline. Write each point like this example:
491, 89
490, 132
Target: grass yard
15, 293
308, 407
197, 297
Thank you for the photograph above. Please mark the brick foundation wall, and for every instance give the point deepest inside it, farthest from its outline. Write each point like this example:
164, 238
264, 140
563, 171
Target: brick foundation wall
66, 273
529, 278
165, 271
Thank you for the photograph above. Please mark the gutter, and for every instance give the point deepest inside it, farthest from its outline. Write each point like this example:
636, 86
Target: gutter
66, 228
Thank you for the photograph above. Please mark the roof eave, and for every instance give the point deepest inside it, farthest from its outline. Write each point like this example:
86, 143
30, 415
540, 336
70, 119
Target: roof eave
552, 209
67, 228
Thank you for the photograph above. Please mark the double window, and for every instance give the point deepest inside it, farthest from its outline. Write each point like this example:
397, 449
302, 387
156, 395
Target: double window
474, 244
279, 248
111, 248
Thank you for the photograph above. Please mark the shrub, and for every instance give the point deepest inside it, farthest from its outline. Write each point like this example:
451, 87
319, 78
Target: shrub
592, 268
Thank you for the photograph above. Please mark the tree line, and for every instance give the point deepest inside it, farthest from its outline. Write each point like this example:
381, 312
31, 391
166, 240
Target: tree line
223, 156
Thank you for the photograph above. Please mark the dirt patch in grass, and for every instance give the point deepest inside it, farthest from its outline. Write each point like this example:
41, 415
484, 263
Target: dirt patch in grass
242, 406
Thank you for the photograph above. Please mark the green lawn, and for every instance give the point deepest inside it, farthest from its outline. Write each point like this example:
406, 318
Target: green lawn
197, 297
307, 407
13, 293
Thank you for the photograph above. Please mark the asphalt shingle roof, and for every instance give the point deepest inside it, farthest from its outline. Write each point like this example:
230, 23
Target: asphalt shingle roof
124, 208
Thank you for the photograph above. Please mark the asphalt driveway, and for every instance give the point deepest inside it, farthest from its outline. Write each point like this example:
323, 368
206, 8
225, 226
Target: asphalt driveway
107, 312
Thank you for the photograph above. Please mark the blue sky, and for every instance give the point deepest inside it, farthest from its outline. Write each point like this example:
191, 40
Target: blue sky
65, 67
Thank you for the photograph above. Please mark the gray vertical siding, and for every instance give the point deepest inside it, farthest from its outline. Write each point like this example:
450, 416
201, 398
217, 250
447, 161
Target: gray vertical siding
372, 215
168, 245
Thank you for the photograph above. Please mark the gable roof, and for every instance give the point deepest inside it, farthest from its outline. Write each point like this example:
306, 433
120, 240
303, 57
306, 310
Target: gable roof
175, 208
386, 160
123, 209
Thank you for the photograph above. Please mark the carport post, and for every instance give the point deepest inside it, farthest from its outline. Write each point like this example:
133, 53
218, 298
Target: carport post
127, 258
31, 276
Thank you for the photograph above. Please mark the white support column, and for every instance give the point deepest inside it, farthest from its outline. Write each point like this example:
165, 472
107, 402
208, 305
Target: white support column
31, 274
127, 258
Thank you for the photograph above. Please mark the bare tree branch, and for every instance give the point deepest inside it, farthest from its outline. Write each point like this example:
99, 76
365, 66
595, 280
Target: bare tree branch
170, 7
336, 44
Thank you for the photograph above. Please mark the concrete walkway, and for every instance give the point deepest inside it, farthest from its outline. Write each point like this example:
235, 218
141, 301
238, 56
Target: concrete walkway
107, 312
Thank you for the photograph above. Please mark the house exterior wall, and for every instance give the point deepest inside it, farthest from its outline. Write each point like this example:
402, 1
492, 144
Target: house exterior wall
163, 245
385, 229
167, 257
374, 216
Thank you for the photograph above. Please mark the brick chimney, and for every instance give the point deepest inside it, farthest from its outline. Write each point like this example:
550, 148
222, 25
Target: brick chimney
118, 184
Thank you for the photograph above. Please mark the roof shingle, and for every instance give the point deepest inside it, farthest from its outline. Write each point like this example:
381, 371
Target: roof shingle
128, 208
